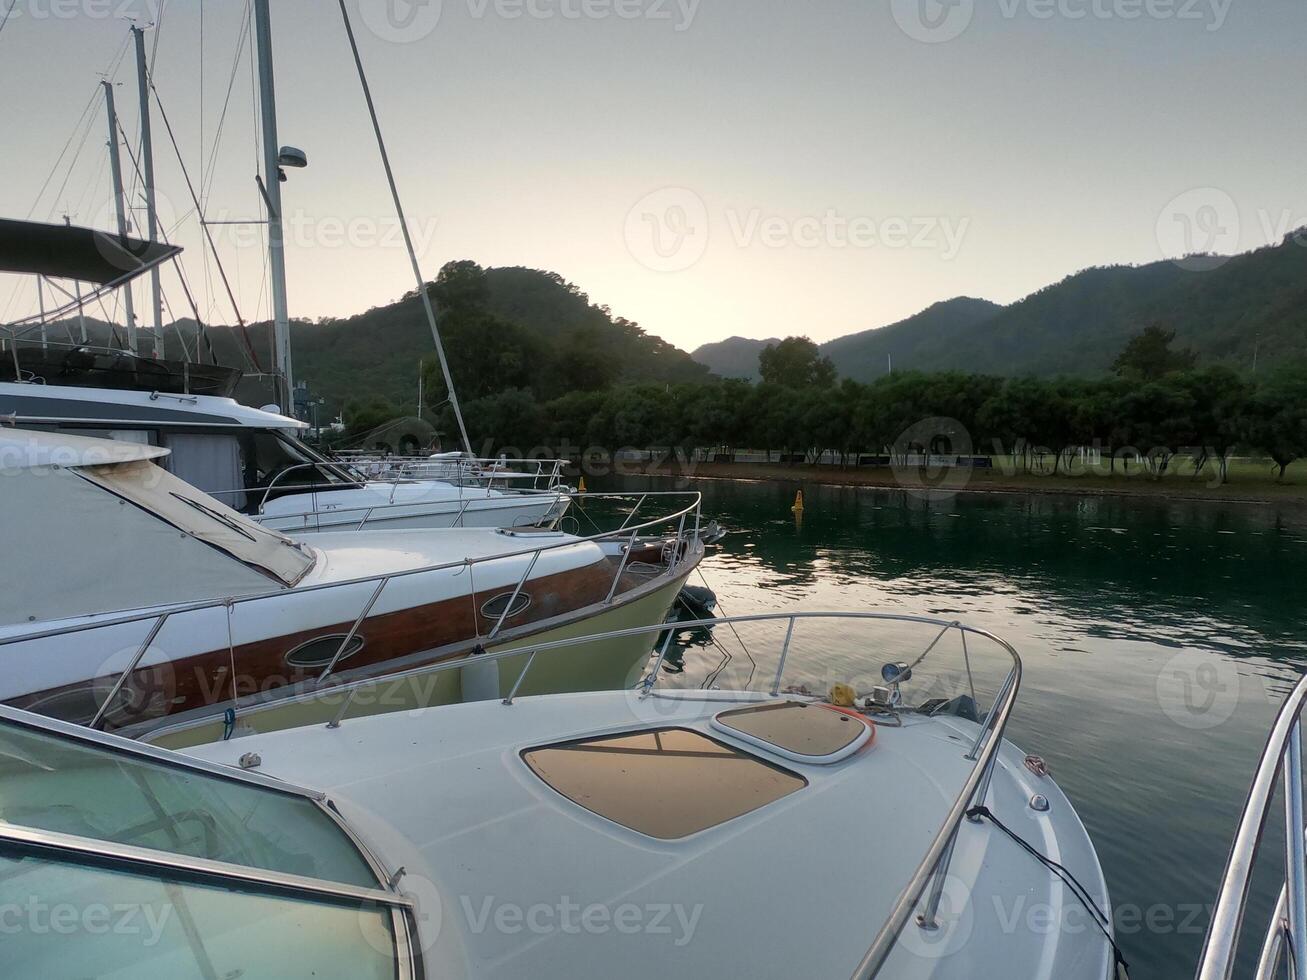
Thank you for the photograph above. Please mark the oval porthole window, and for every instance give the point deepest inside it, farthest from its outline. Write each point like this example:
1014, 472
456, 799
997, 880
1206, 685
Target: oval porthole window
319, 651
496, 606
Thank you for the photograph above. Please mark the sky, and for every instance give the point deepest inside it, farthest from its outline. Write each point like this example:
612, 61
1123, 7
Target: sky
707, 168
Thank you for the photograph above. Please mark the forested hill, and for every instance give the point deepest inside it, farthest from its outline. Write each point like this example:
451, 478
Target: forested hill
502, 328
1224, 309
912, 342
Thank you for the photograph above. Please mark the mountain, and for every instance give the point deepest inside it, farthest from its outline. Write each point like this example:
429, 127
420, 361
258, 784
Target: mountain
861, 356
1230, 310
734, 357
912, 343
1227, 313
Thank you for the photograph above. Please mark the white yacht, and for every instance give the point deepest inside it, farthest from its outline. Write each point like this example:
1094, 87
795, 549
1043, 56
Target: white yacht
880, 830
253, 461
128, 596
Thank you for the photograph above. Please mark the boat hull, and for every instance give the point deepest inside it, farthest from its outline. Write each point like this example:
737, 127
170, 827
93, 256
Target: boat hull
614, 663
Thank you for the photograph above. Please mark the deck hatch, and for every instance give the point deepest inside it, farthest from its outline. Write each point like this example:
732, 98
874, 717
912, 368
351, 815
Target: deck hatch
797, 731
666, 783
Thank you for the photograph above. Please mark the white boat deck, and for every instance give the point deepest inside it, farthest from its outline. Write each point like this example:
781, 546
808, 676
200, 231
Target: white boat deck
795, 889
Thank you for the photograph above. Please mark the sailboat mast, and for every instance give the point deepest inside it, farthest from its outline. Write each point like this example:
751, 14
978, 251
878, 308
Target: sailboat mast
272, 198
120, 204
147, 166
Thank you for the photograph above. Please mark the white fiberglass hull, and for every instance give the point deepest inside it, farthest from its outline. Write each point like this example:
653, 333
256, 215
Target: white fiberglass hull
795, 888
425, 504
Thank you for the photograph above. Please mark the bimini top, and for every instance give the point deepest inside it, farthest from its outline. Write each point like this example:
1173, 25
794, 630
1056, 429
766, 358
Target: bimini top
85, 254
22, 449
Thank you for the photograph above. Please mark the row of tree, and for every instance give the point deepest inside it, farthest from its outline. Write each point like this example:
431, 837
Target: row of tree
1210, 413
1157, 404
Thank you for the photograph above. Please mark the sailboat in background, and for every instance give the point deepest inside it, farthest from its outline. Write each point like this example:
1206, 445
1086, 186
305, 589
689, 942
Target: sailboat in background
251, 459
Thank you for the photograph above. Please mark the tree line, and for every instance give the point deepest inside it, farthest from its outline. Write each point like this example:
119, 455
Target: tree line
1157, 404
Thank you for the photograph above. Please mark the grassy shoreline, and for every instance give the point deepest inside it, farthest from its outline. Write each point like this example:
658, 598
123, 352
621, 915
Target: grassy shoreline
1242, 488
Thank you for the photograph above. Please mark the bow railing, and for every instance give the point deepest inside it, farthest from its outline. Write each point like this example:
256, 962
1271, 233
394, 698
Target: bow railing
1286, 934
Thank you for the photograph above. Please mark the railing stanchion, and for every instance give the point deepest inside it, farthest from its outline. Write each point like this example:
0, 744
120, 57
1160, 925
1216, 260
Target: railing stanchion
928, 919
984, 726
340, 715
512, 695
122, 678
353, 630
617, 579
521, 583
1296, 877
785, 652
652, 679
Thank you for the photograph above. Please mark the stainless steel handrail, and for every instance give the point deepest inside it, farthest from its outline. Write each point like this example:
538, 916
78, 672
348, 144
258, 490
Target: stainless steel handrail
1281, 756
312, 519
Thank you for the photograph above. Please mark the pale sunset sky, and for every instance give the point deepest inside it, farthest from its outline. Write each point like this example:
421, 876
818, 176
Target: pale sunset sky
707, 168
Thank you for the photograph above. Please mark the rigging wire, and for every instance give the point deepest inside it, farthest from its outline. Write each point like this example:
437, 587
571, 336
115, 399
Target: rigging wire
12, 5
190, 186
403, 224
206, 185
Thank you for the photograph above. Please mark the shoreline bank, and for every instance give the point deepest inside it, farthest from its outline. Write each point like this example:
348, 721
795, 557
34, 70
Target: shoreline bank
983, 481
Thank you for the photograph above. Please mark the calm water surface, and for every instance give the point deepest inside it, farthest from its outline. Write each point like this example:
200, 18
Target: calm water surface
1158, 639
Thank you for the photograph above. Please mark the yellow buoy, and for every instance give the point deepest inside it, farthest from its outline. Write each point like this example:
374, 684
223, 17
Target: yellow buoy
580, 487
798, 503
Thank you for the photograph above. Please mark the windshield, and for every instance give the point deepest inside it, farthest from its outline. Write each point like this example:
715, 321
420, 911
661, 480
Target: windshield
182, 505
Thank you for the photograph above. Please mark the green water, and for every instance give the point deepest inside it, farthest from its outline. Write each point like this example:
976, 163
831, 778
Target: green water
1158, 638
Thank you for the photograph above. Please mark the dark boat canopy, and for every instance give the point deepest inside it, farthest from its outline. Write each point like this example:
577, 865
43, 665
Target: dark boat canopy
69, 252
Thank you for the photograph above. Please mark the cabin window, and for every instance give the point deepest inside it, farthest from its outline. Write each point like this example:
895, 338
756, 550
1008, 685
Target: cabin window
507, 605
68, 919
54, 783
321, 650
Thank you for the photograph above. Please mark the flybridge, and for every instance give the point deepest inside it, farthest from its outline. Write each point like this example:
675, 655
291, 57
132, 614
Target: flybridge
106, 261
